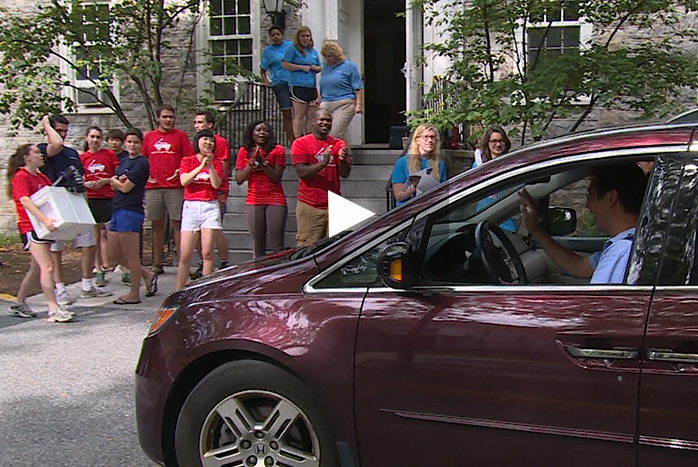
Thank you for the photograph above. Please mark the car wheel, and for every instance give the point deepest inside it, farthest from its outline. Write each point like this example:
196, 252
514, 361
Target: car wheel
250, 413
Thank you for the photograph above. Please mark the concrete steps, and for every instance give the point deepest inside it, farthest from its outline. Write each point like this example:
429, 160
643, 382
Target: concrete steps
371, 169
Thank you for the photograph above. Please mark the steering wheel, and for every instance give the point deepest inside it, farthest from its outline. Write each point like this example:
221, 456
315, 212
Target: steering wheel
497, 260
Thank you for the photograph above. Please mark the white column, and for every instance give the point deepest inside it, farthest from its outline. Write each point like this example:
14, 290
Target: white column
412, 70
331, 20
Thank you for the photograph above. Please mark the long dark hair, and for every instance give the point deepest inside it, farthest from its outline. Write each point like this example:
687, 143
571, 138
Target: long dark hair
248, 140
13, 165
485, 142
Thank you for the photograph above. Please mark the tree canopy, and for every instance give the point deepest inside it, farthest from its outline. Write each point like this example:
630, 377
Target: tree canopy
524, 63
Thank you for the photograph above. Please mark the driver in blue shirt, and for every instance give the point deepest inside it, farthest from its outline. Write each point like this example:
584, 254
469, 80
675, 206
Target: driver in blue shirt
614, 198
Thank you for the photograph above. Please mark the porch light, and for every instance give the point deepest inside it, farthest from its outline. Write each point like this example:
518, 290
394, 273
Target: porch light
275, 9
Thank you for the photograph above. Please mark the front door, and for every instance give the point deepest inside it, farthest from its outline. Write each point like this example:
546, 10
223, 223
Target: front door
384, 58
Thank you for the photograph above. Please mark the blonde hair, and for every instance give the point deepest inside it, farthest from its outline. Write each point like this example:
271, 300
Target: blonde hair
297, 39
413, 159
332, 48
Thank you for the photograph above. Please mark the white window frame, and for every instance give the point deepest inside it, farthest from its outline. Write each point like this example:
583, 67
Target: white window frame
205, 79
73, 77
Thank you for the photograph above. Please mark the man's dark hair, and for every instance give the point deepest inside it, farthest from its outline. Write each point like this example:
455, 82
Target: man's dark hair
629, 181
207, 115
115, 134
57, 118
134, 132
277, 28
202, 134
164, 107
248, 140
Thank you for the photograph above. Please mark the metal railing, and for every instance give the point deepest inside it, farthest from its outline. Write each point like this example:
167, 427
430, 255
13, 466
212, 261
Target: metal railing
253, 101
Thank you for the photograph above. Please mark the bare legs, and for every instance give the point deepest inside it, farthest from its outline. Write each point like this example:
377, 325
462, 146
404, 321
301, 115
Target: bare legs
303, 117
158, 232
41, 267
123, 246
102, 253
288, 124
188, 244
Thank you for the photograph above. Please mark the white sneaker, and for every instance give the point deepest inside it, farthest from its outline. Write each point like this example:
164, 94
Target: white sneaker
94, 292
60, 316
22, 310
63, 298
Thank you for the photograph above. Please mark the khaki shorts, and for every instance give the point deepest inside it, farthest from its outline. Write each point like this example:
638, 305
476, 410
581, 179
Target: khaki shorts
84, 240
162, 201
312, 224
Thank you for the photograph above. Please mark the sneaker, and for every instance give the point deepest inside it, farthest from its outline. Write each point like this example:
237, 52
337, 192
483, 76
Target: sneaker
63, 298
198, 273
99, 279
224, 264
22, 310
94, 293
126, 278
60, 316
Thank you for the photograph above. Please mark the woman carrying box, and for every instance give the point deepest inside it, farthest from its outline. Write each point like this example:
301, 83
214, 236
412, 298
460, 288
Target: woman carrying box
24, 179
127, 216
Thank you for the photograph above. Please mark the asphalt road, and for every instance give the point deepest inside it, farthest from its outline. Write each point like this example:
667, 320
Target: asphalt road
67, 390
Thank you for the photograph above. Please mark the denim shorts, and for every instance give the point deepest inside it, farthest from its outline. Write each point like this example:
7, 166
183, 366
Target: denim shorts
126, 221
197, 215
283, 95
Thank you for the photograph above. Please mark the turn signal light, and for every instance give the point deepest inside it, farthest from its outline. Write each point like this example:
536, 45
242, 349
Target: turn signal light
162, 317
396, 270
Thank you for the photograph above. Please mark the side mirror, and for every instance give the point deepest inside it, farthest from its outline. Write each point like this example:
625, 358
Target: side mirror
561, 221
394, 266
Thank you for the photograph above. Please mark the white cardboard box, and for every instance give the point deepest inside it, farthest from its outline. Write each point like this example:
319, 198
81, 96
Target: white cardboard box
69, 210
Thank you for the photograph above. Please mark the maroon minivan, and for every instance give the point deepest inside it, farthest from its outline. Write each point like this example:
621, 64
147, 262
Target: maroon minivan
430, 336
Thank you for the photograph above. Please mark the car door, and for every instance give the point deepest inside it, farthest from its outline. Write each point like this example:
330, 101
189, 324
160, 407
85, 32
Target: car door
668, 416
466, 374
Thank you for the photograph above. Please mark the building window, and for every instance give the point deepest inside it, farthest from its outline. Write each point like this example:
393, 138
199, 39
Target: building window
88, 75
553, 34
230, 39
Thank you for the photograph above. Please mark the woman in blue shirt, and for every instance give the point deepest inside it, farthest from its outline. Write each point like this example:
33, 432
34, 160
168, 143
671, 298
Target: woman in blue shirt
273, 73
423, 153
303, 62
340, 88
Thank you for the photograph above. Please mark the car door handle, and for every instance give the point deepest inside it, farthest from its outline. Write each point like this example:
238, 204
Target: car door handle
667, 355
611, 354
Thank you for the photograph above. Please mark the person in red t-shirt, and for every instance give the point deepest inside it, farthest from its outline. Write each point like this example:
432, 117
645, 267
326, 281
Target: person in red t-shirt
261, 162
204, 120
24, 179
164, 147
200, 175
99, 164
319, 160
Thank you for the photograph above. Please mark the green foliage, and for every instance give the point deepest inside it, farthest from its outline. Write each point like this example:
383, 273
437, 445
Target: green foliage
8, 239
493, 80
125, 43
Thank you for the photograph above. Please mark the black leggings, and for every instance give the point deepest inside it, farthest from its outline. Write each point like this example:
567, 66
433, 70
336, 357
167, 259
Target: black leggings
262, 218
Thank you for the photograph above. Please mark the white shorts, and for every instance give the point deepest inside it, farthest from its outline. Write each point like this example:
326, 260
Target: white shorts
197, 215
83, 240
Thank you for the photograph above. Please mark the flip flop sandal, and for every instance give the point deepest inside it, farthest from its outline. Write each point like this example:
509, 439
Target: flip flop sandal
121, 301
153, 287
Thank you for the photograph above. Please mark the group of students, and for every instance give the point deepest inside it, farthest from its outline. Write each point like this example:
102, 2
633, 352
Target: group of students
291, 67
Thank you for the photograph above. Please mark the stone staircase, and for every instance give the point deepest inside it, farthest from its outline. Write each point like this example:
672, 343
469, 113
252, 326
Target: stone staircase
371, 168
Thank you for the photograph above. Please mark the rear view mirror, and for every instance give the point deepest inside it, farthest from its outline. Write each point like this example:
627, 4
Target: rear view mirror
561, 221
395, 268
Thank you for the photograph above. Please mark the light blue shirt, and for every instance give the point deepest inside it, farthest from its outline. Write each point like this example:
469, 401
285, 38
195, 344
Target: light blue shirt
271, 62
300, 77
610, 263
401, 172
340, 81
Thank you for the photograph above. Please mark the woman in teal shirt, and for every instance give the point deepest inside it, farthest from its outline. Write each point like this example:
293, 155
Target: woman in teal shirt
303, 62
273, 73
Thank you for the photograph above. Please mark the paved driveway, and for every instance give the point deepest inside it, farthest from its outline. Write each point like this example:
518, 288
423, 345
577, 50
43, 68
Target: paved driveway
66, 390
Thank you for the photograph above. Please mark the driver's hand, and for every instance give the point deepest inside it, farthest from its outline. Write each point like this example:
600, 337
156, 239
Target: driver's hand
529, 212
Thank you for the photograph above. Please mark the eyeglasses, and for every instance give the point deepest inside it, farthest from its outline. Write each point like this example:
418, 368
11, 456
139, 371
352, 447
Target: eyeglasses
496, 141
428, 137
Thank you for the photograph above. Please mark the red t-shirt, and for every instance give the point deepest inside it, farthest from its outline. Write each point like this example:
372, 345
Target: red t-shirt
307, 150
26, 184
223, 154
200, 189
260, 189
98, 165
165, 152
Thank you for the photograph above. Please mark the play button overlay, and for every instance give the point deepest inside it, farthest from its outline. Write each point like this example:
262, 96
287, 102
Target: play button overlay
344, 214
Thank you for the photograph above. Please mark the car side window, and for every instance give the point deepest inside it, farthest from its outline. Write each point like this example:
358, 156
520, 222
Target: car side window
669, 240
361, 271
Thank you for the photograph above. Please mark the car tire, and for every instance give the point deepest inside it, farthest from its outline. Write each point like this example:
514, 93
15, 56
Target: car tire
249, 411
